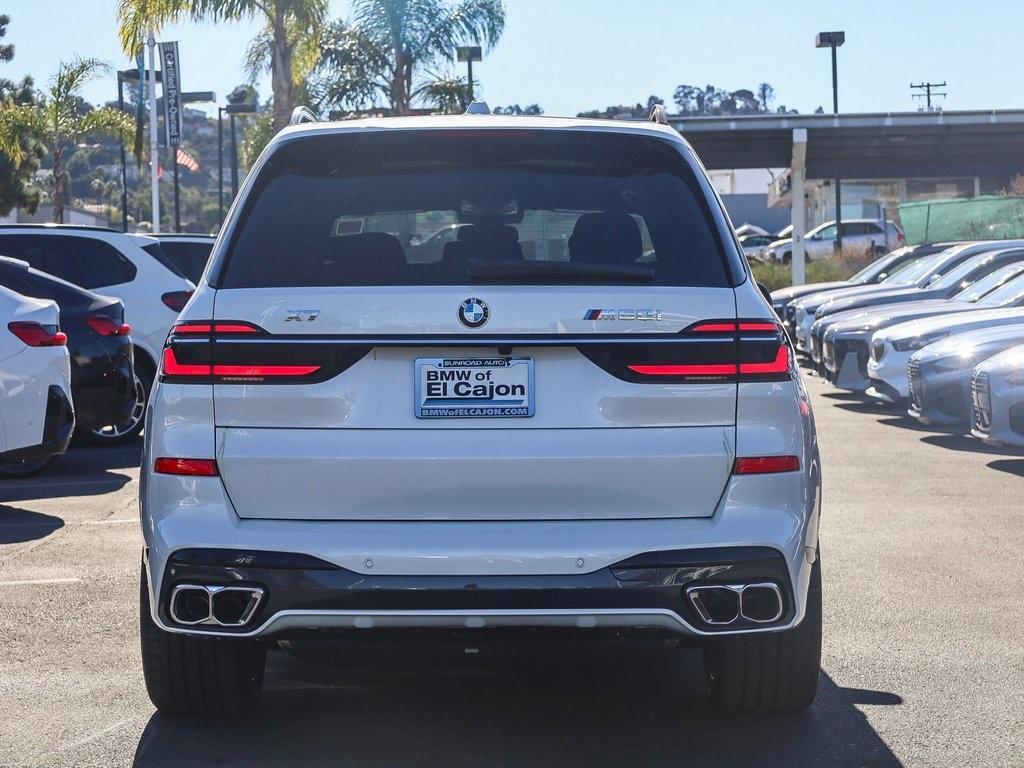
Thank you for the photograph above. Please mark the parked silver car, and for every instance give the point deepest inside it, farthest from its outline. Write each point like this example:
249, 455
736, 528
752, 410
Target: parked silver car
891, 347
997, 399
917, 273
939, 376
784, 299
867, 235
846, 341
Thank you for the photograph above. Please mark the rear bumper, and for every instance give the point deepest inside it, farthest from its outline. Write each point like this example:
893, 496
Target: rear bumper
649, 591
58, 424
566, 564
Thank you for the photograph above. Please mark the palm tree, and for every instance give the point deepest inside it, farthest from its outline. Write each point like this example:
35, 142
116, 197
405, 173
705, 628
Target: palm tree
377, 54
292, 27
60, 119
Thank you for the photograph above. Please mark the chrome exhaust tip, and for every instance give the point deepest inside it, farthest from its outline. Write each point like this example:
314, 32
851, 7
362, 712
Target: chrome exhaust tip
720, 605
716, 605
761, 603
198, 604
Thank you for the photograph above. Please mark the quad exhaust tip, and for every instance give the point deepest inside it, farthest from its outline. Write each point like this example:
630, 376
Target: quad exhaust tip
720, 605
199, 604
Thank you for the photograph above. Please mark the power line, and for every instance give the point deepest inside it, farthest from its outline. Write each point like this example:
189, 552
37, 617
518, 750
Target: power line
927, 88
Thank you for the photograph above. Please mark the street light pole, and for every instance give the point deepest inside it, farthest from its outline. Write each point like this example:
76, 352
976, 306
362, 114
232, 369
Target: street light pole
833, 40
154, 149
469, 54
220, 166
124, 167
234, 160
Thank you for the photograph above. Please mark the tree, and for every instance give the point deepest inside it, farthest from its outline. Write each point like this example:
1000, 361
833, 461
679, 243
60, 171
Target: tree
376, 55
60, 119
765, 95
16, 187
291, 34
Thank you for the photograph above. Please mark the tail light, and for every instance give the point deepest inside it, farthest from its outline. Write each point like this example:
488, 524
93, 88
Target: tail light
37, 334
106, 326
764, 465
193, 467
176, 300
713, 350
191, 356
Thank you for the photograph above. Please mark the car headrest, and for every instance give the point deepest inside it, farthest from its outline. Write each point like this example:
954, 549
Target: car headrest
606, 238
369, 257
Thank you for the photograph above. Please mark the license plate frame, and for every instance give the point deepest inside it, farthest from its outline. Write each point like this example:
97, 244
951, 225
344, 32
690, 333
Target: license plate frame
434, 401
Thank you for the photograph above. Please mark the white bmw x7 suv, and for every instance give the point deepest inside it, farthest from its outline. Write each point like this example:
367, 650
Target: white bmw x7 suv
581, 413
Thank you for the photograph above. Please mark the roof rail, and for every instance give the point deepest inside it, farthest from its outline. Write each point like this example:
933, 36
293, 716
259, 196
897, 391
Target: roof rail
38, 225
302, 115
659, 115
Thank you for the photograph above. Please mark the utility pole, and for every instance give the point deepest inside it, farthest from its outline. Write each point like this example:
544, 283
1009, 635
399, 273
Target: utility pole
927, 95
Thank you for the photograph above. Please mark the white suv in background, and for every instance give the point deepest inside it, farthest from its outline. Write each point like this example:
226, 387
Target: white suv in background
129, 267
36, 415
867, 235
602, 430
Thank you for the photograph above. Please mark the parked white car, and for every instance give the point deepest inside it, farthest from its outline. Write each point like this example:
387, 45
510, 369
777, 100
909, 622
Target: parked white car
868, 235
997, 395
36, 414
131, 268
188, 252
344, 438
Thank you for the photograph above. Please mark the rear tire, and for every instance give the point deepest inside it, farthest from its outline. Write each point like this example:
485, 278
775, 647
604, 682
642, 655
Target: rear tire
188, 675
771, 672
125, 433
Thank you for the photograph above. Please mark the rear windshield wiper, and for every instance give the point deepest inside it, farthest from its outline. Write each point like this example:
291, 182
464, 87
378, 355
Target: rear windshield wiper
498, 271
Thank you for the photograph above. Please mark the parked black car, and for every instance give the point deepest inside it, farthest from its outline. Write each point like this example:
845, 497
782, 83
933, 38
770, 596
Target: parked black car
102, 376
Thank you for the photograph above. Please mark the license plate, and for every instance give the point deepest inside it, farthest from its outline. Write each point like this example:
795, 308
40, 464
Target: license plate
495, 387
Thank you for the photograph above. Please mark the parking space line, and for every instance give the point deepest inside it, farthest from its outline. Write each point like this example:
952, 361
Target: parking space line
113, 521
33, 582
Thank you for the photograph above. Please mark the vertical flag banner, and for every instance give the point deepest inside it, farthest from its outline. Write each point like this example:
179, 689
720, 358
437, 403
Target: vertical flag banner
172, 93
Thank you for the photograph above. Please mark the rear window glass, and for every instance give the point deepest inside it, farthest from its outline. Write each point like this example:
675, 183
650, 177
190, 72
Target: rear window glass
156, 250
464, 207
190, 258
84, 261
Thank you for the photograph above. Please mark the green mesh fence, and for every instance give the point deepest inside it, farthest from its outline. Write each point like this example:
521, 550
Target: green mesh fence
977, 218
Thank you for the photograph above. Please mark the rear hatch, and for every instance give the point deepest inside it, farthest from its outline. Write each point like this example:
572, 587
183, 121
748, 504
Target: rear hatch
555, 361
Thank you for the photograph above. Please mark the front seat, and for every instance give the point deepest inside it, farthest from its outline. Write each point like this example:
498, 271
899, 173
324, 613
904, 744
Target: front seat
369, 258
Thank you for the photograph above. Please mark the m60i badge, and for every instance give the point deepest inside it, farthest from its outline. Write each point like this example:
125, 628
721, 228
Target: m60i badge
622, 314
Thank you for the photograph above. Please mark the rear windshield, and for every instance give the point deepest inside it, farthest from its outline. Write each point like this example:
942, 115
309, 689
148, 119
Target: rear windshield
157, 252
464, 207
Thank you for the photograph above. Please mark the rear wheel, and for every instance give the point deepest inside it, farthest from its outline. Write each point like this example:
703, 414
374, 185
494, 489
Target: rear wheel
198, 675
770, 672
116, 434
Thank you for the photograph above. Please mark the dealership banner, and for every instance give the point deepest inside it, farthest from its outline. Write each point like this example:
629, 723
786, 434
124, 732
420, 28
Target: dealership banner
172, 93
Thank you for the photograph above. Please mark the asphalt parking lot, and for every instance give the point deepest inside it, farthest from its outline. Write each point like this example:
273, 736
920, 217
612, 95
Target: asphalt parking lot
923, 552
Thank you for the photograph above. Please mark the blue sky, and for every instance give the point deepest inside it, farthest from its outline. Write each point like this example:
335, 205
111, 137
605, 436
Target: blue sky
572, 55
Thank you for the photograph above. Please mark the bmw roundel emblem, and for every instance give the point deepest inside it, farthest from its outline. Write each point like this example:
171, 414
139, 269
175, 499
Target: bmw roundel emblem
473, 313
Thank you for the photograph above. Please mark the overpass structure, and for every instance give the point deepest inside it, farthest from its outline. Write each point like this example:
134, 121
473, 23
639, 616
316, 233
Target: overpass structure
859, 146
